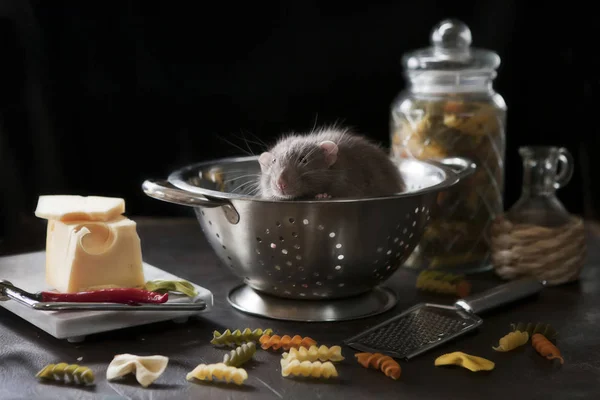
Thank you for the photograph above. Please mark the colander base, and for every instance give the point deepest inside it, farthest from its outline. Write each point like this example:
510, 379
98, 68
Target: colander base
247, 300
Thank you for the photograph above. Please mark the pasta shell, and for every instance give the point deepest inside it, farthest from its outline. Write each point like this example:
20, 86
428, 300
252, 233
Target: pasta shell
147, 369
472, 363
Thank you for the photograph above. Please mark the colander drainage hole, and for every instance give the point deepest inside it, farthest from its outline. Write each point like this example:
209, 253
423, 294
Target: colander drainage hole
257, 251
224, 247
229, 258
258, 239
278, 224
273, 246
202, 212
320, 227
389, 252
332, 235
305, 222
281, 238
294, 234
297, 246
338, 267
278, 268
284, 251
267, 231
341, 285
209, 222
417, 210
338, 246
298, 257
292, 220
288, 263
341, 257
218, 235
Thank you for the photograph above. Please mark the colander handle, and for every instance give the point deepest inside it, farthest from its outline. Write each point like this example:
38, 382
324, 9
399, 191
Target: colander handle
163, 190
459, 166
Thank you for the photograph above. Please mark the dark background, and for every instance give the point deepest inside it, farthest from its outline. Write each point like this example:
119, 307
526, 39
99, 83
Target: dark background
96, 96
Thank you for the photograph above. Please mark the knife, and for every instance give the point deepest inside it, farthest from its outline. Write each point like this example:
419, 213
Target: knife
8, 291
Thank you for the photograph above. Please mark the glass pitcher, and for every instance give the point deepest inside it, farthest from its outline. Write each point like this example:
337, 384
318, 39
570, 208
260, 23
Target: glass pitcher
537, 236
450, 109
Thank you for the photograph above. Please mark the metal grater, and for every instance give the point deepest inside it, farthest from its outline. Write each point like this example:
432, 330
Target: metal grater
426, 325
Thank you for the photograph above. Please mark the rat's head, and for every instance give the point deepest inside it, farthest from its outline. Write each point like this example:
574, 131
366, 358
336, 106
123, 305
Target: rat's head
297, 167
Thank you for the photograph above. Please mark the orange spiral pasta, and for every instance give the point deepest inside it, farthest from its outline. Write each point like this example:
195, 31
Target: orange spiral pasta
543, 346
285, 342
386, 364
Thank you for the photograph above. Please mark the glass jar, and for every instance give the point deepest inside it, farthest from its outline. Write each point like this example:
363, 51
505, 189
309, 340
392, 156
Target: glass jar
537, 237
450, 109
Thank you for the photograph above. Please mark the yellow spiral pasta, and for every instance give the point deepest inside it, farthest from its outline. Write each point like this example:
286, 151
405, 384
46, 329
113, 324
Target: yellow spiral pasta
285, 342
317, 369
512, 340
218, 372
444, 283
314, 353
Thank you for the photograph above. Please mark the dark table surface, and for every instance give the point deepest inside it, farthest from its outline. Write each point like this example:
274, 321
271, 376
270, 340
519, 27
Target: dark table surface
178, 246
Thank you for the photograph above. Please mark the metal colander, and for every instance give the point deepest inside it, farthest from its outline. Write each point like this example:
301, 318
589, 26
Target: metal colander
309, 249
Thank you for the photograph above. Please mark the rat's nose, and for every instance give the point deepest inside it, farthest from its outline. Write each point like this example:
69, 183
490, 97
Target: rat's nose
281, 183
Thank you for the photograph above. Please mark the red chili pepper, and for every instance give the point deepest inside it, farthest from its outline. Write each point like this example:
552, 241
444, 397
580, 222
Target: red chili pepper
112, 295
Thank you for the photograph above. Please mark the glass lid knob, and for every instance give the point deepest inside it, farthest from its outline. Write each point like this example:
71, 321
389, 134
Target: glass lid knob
451, 34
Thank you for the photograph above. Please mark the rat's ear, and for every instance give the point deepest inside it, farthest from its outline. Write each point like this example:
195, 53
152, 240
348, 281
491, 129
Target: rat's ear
330, 150
265, 159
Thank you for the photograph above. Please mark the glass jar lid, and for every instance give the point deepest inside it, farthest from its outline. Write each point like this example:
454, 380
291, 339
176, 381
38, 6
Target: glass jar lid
450, 51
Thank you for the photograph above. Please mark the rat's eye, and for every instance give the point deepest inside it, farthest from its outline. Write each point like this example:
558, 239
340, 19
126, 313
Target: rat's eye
274, 160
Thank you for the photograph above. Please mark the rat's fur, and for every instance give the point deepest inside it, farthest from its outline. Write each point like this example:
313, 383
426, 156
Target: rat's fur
360, 168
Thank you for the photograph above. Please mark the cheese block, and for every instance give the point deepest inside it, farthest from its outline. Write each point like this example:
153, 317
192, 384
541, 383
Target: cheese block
79, 208
87, 255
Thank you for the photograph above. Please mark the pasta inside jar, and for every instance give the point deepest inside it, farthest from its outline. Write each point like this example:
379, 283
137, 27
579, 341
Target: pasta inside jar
464, 125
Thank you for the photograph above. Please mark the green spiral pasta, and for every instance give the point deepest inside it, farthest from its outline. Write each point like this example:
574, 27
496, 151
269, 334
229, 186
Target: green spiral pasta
160, 285
67, 373
237, 337
545, 329
240, 354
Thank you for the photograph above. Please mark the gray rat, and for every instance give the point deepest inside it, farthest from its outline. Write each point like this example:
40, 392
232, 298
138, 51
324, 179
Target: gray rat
327, 163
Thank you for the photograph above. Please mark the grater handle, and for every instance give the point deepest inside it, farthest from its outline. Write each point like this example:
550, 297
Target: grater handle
501, 295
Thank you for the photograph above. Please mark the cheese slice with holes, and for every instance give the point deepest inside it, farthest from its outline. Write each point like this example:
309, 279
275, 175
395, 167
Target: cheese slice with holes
88, 255
76, 208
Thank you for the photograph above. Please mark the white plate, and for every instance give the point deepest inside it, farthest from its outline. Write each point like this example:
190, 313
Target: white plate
27, 271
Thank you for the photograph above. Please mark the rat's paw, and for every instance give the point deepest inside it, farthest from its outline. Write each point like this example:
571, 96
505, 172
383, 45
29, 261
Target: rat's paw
322, 196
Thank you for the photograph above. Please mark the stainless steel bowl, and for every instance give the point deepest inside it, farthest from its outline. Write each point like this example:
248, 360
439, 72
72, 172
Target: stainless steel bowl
309, 249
